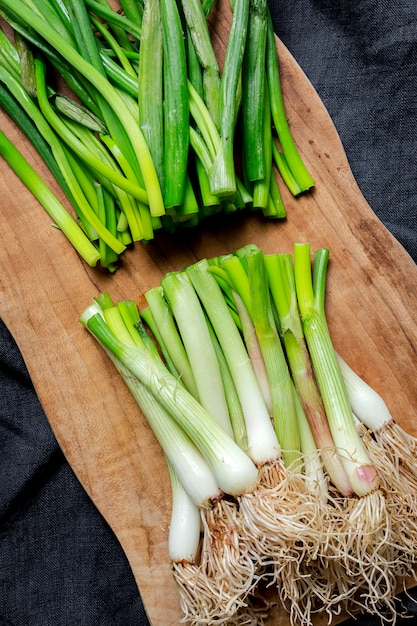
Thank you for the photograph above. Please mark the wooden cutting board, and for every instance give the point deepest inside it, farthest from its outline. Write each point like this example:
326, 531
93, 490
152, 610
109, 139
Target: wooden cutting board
371, 304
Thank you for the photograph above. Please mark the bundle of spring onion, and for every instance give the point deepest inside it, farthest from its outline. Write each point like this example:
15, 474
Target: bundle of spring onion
281, 484
145, 137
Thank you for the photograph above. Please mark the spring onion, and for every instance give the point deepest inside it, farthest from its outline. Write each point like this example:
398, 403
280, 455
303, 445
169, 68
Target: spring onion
160, 320
253, 92
197, 341
201, 40
184, 528
262, 441
283, 404
190, 467
394, 452
222, 174
149, 83
373, 412
280, 272
290, 151
362, 476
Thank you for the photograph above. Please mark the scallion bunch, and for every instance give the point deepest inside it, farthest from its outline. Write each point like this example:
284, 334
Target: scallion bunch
234, 355
146, 134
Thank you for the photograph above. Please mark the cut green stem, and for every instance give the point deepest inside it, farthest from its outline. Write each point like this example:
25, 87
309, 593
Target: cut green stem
253, 91
176, 108
49, 201
223, 174
107, 91
279, 116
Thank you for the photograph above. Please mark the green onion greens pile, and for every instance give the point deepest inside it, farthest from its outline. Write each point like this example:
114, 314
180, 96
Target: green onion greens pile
129, 109
291, 482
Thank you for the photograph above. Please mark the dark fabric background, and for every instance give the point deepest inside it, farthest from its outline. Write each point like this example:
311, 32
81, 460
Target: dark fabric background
60, 564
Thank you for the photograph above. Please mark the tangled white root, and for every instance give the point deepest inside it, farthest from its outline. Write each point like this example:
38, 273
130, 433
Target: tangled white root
217, 590
399, 486
279, 518
322, 555
283, 522
198, 595
342, 555
370, 546
401, 449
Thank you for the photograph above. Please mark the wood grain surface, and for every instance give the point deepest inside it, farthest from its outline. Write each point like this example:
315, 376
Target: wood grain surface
44, 286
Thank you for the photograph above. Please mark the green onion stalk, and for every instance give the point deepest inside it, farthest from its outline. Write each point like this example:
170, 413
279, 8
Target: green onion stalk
223, 174
263, 344
299, 589
184, 528
52, 205
363, 535
176, 108
160, 320
17, 113
263, 446
237, 417
291, 576
203, 47
279, 268
149, 83
253, 348
225, 557
86, 43
276, 548
290, 156
361, 474
274, 515
196, 446
198, 344
253, 92
283, 403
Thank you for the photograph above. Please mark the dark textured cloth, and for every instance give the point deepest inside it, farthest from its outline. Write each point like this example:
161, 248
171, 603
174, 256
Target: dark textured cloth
60, 564
362, 57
